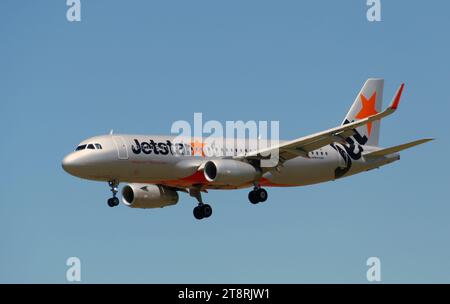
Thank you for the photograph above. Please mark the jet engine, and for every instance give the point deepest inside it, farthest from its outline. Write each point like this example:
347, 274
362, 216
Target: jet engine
230, 172
148, 196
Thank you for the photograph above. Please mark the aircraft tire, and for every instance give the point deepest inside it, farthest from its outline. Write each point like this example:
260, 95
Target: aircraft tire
252, 197
198, 214
207, 210
261, 194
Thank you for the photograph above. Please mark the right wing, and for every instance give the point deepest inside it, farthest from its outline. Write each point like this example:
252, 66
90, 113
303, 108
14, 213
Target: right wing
303, 145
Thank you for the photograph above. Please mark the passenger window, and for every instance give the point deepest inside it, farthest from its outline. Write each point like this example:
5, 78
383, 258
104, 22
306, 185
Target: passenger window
98, 146
81, 147
91, 146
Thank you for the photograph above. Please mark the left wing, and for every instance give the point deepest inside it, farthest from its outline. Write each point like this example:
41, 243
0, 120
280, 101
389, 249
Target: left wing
303, 145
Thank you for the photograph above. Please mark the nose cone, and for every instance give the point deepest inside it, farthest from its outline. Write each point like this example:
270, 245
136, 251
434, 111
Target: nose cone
72, 164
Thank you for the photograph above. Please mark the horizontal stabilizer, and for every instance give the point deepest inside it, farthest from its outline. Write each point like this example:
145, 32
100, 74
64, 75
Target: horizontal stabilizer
398, 148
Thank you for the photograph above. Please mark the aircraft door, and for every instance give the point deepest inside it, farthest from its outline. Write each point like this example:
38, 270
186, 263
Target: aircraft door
122, 151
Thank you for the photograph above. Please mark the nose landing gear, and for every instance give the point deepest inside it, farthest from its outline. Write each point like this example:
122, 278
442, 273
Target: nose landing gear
113, 201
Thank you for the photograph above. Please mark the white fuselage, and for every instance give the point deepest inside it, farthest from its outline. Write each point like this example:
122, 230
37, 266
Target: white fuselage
156, 159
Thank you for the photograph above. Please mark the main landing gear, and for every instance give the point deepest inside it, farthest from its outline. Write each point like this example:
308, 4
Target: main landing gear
202, 210
113, 201
257, 195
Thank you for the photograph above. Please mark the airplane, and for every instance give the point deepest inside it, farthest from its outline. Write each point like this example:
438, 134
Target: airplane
156, 168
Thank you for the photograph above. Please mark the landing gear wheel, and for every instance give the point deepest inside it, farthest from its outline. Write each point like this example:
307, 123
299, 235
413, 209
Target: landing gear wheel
110, 202
202, 211
198, 212
113, 201
207, 210
257, 195
261, 194
252, 197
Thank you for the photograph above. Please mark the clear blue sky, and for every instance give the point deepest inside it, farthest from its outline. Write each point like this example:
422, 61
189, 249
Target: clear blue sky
137, 66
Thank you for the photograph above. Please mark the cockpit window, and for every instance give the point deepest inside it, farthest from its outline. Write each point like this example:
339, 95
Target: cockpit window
80, 147
89, 146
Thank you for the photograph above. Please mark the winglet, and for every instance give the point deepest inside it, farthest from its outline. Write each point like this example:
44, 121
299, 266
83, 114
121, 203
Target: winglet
398, 95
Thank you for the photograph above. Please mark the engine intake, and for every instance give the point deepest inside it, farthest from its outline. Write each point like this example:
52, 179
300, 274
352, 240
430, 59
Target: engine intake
148, 196
230, 172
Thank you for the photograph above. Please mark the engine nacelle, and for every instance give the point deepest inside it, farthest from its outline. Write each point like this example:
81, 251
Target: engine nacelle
148, 196
230, 172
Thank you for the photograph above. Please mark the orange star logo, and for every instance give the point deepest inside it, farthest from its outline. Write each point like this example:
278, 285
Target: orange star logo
197, 148
368, 109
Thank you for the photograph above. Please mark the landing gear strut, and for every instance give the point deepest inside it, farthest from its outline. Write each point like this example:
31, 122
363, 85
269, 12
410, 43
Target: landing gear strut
113, 201
257, 195
202, 210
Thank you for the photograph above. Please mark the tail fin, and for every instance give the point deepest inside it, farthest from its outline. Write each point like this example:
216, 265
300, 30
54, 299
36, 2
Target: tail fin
368, 102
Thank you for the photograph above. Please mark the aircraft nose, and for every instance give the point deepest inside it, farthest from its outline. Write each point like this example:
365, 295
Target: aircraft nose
70, 163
